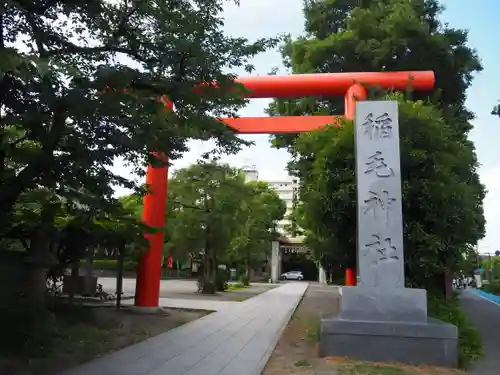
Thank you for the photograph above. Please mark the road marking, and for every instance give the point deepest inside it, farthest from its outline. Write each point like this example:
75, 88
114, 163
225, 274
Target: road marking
475, 293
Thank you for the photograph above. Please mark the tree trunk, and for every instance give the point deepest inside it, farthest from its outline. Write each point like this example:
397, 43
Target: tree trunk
12, 189
88, 284
215, 268
206, 267
36, 283
119, 277
247, 268
74, 279
39, 259
208, 258
448, 285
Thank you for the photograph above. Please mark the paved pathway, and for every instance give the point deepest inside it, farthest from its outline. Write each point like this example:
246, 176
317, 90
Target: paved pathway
195, 304
485, 315
170, 286
233, 341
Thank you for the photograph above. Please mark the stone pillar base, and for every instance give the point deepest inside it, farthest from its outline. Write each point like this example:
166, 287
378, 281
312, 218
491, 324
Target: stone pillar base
372, 303
388, 325
275, 262
420, 343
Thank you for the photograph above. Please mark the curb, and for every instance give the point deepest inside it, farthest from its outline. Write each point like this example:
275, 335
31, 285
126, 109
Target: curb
487, 296
270, 349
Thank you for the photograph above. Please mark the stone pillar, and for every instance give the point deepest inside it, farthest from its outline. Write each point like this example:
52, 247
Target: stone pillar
321, 274
380, 319
280, 262
275, 262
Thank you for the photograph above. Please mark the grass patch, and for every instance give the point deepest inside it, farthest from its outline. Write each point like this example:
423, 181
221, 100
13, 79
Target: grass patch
310, 325
469, 342
81, 333
313, 329
370, 369
87, 340
302, 363
295, 312
238, 286
76, 330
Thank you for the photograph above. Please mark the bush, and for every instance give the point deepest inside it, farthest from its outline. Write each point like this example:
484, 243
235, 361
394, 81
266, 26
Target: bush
221, 280
106, 264
28, 329
205, 286
493, 288
469, 342
112, 264
244, 280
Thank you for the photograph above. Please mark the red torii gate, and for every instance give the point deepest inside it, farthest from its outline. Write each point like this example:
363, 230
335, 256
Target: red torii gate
351, 85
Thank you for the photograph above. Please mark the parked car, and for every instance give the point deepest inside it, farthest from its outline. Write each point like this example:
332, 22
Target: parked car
292, 275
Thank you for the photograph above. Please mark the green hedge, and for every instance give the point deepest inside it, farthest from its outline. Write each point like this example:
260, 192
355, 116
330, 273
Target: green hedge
130, 265
112, 264
244, 280
493, 288
469, 342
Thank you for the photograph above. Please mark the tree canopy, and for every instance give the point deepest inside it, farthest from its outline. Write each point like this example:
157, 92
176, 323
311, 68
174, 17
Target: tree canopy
80, 87
439, 165
204, 202
213, 212
385, 35
261, 208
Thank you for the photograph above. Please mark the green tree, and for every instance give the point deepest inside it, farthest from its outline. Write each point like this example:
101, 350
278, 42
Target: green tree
132, 202
389, 35
496, 110
470, 262
77, 232
442, 213
203, 212
261, 208
385, 35
80, 85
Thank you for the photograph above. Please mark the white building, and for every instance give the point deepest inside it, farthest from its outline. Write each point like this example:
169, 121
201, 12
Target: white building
251, 173
287, 190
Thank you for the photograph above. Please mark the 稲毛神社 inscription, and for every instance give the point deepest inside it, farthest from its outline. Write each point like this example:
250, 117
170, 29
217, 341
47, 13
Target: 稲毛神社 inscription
378, 177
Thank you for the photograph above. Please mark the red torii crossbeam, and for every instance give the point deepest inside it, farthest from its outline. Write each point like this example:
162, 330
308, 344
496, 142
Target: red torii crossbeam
351, 85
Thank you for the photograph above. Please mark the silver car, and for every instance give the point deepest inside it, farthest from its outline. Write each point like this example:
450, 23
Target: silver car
292, 275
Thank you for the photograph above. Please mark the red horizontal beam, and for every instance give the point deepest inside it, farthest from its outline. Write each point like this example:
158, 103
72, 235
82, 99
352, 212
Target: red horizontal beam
332, 84
279, 124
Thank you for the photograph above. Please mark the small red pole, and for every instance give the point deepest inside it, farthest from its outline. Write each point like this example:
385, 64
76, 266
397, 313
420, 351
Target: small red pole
350, 277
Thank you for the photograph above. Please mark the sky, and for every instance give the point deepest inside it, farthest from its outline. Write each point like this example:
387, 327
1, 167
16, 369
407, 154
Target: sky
266, 18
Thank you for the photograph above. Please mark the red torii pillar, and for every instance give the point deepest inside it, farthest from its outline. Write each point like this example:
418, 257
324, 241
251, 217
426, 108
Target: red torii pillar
351, 85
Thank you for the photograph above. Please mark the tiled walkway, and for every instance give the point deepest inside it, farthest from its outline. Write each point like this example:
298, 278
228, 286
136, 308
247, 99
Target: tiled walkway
233, 341
195, 304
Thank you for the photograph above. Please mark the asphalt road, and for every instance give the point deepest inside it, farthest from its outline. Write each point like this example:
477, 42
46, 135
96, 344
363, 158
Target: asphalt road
485, 315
